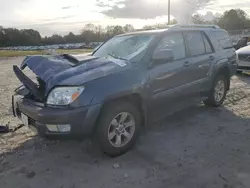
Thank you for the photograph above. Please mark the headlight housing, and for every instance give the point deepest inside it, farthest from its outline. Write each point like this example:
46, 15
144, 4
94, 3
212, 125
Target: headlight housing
64, 95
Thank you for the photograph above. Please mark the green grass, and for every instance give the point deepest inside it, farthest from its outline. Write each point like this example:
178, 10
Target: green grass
10, 53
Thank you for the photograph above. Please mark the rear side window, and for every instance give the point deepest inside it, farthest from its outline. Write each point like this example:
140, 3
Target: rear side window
222, 38
174, 42
195, 43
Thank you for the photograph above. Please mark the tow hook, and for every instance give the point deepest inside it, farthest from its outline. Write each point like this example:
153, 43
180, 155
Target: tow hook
6, 129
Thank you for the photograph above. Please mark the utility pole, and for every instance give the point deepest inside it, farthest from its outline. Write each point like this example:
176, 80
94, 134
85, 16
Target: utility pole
168, 12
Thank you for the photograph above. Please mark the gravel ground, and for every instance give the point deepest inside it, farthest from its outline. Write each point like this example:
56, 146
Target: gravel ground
197, 148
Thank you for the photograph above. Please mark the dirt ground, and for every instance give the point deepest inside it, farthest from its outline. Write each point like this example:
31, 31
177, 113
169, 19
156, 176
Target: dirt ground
197, 148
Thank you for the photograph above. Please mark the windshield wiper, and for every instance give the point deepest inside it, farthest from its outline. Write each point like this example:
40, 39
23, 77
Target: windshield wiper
117, 57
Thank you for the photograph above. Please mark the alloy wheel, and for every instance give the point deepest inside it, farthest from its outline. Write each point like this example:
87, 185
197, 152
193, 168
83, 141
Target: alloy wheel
121, 129
219, 90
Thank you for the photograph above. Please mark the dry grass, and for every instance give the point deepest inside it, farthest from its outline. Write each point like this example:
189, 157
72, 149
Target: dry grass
10, 53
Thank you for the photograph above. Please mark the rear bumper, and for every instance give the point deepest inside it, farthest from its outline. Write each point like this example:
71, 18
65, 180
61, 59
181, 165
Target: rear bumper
82, 120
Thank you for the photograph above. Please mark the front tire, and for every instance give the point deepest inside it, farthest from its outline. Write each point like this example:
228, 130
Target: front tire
218, 93
118, 128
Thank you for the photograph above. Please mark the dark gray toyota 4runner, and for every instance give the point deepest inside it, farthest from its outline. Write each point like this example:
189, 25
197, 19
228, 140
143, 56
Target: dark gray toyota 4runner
129, 81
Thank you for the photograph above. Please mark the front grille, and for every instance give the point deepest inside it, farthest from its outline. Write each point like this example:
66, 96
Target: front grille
244, 57
243, 68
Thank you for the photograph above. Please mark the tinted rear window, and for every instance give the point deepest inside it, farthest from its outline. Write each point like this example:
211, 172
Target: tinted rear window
222, 38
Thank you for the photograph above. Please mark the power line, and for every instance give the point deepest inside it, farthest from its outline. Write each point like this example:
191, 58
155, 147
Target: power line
158, 4
168, 12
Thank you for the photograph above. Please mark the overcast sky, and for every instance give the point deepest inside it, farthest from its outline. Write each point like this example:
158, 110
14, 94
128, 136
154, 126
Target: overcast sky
62, 16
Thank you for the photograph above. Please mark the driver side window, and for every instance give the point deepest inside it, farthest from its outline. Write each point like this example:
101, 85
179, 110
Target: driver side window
174, 42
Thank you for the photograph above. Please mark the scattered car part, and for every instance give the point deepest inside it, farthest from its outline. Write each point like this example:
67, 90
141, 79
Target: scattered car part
6, 129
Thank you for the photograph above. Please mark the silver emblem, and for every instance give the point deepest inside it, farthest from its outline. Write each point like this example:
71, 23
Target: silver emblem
248, 58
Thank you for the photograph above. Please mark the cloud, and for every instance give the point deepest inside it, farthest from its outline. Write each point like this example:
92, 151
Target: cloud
146, 9
233, 5
209, 16
102, 4
69, 7
60, 16
8, 9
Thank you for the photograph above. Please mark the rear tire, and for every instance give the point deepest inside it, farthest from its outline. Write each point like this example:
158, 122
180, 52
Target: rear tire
118, 128
218, 93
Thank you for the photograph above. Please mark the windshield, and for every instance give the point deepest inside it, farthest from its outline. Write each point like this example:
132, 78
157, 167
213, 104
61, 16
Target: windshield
125, 47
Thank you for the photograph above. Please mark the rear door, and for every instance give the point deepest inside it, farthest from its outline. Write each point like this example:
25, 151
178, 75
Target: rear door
201, 56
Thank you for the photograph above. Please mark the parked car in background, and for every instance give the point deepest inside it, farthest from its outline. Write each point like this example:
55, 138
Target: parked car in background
131, 80
59, 46
243, 59
244, 41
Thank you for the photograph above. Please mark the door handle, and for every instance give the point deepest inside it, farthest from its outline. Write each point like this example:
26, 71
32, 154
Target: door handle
186, 64
211, 58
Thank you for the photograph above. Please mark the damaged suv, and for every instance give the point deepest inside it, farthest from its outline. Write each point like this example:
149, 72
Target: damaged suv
129, 81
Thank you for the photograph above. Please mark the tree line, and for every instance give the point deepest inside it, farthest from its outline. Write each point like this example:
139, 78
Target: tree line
234, 19
90, 33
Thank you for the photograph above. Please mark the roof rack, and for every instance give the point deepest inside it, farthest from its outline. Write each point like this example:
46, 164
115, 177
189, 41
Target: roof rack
196, 26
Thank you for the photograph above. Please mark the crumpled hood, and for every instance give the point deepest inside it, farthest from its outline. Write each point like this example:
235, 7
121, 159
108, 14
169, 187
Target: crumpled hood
57, 70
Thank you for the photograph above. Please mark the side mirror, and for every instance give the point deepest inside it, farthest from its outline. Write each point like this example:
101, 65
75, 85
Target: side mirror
163, 56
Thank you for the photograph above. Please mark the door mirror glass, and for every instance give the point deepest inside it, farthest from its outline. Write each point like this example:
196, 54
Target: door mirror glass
163, 56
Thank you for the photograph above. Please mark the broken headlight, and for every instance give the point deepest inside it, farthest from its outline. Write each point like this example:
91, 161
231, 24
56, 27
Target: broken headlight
64, 95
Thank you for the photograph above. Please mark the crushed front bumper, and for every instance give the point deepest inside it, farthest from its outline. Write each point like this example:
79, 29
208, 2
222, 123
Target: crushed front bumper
82, 120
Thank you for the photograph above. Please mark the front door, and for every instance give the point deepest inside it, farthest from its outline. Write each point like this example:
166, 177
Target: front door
169, 80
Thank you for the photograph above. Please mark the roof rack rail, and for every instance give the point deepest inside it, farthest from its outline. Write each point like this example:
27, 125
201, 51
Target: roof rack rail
196, 26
